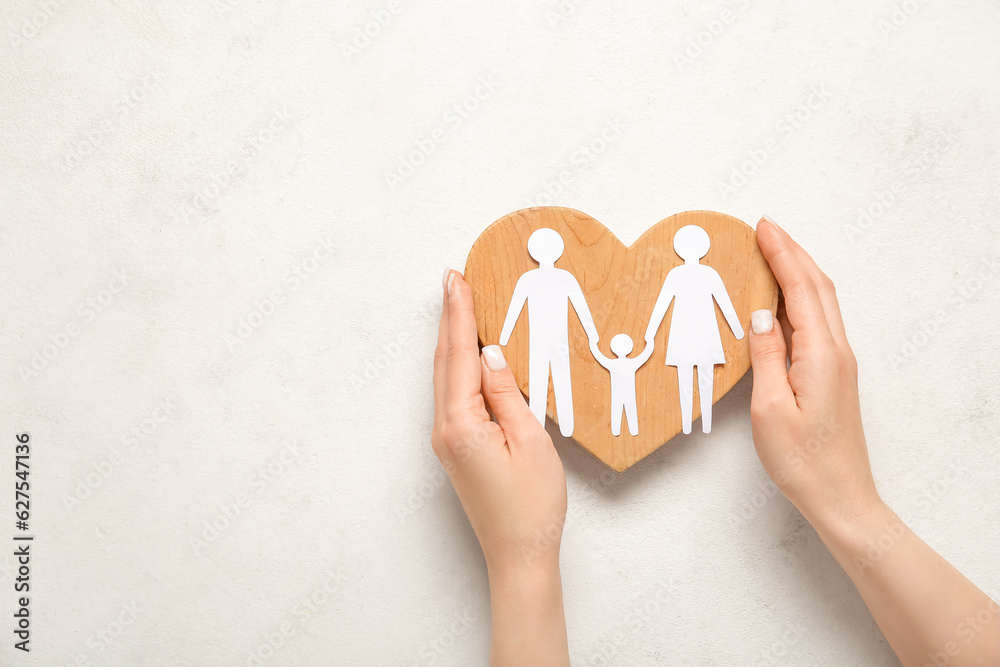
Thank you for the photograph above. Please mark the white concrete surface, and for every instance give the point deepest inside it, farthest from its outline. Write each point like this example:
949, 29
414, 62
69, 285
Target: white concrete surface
213, 152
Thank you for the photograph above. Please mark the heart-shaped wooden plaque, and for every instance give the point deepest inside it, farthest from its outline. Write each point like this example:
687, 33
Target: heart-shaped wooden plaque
621, 285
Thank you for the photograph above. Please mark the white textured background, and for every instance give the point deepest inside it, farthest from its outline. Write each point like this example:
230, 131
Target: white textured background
212, 150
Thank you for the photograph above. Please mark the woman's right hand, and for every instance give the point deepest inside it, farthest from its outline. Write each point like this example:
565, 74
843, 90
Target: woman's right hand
807, 419
807, 431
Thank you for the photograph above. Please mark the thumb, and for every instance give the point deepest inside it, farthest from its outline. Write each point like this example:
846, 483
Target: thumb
767, 356
503, 396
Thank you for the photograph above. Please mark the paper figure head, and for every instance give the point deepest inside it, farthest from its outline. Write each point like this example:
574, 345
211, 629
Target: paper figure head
691, 242
621, 345
545, 245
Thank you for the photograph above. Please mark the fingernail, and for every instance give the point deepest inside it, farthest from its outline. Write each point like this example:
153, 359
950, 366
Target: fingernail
451, 279
494, 358
770, 219
762, 321
444, 278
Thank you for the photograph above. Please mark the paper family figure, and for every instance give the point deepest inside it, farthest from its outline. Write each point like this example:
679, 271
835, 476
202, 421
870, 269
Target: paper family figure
693, 340
622, 371
548, 291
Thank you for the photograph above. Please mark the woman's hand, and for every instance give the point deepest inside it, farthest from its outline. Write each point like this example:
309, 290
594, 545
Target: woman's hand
807, 431
510, 481
807, 419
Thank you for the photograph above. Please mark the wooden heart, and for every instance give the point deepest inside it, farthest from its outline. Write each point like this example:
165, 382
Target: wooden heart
621, 285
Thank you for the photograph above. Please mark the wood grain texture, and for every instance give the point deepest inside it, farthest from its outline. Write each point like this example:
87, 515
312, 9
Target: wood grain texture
621, 285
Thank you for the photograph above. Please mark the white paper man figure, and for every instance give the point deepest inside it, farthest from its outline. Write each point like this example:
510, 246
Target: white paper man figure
622, 372
547, 291
693, 339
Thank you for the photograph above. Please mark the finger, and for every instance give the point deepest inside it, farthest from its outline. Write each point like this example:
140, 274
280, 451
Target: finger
767, 357
504, 397
441, 355
464, 370
824, 286
786, 328
802, 302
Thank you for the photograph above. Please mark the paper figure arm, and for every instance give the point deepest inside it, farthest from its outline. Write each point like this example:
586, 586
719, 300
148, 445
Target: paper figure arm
598, 355
517, 301
582, 310
660, 309
644, 355
726, 304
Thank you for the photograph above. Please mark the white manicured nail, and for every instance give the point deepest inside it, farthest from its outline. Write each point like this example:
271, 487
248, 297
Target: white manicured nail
494, 358
762, 321
770, 219
451, 279
444, 278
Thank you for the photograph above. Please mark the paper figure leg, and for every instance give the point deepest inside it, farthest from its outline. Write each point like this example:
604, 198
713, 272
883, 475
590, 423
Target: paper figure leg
632, 417
706, 375
617, 410
564, 393
685, 385
538, 385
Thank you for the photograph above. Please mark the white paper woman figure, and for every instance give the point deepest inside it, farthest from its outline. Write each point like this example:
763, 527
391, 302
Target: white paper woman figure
547, 291
693, 339
622, 371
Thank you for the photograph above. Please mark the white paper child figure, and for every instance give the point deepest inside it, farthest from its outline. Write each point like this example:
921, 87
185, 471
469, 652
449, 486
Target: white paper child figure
622, 372
693, 339
548, 291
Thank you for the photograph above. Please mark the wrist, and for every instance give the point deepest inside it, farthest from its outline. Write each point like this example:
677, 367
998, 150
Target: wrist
535, 586
843, 511
511, 576
853, 537
527, 616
